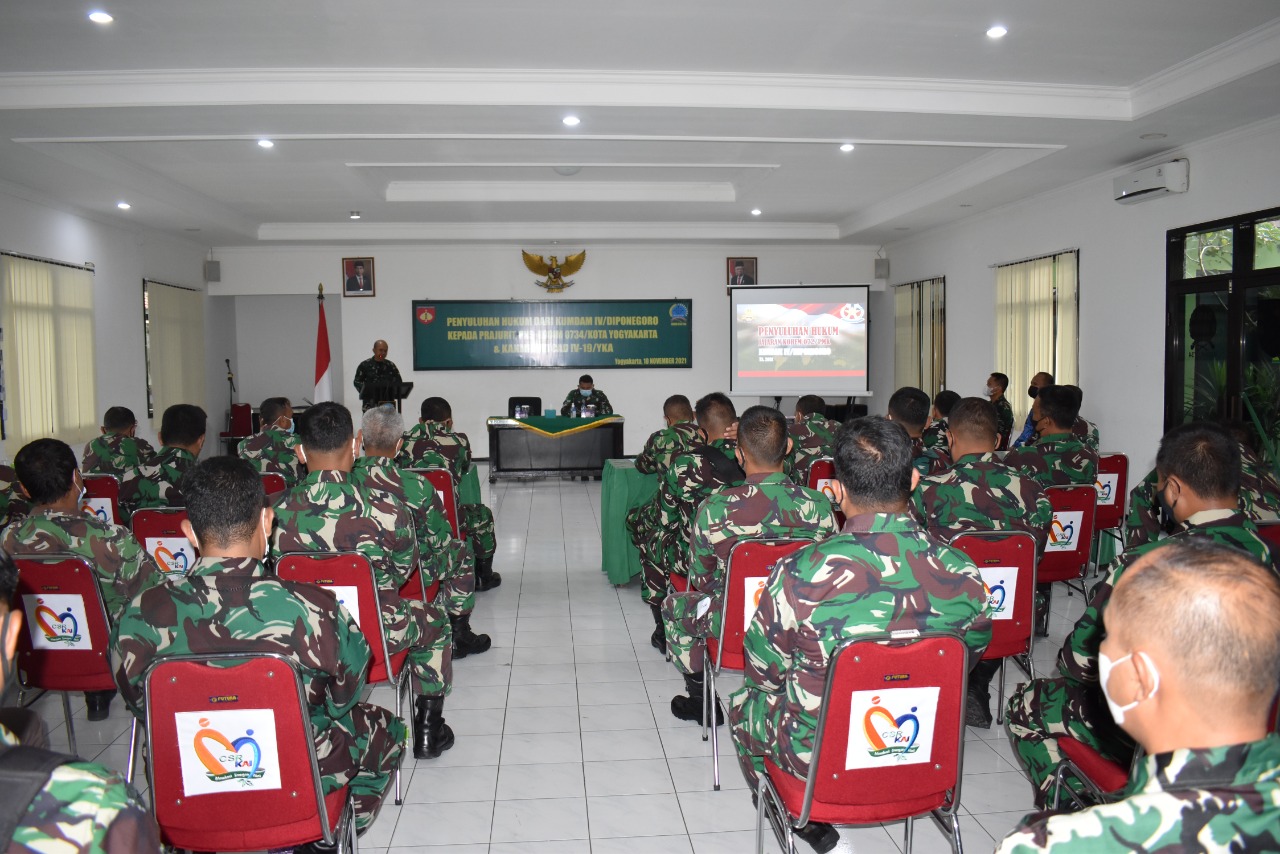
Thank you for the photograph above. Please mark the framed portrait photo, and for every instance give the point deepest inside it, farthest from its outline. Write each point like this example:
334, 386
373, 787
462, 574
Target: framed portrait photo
357, 277
741, 271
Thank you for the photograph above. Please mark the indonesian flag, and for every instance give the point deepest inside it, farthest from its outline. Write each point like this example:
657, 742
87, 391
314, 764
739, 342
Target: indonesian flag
324, 387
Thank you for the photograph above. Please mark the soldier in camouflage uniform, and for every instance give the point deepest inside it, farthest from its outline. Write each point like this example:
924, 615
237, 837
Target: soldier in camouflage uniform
934, 436
57, 525
328, 512
1057, 458
156, 483
660, 450
693, 476
812, 437
997, 385
13, 503
433, 438
881, 573
909, 406
1211, 781
443, 558
83, 807
272, 450
377, 376
1028, 434
767, 505
586, 394
979, 493
1199, 469
118, 449
229, 603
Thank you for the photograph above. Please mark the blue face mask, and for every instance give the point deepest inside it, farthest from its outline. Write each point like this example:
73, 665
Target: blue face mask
291, 426
585, 392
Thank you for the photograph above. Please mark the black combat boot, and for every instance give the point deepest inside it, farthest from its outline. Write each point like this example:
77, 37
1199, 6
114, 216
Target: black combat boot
98, 704
821, 837
690, 708
420, 727
486, 578
1044, 595
439, 737
465, 641
659, 636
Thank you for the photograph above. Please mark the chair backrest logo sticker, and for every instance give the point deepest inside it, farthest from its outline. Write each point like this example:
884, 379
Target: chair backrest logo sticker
173, 554
999, 582
1063, 531
891, 726
227, 750
752, 589
1106, 486
54, 621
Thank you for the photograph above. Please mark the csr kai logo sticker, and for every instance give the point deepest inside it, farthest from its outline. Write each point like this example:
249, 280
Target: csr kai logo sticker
227, 749
891, 727
998, 581
426, 314
1064, 531
54, 621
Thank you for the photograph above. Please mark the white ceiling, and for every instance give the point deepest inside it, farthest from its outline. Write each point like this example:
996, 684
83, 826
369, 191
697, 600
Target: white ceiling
441, 121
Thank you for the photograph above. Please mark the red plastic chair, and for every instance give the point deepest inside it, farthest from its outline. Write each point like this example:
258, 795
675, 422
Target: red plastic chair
1066, 555
865, 769
1270, 531
273, 483
1101, 778
259, 786
822, 472
159, 531
1113, 488
750, 563
65, 645
1007, 561
442, 480
102, 497
350, 576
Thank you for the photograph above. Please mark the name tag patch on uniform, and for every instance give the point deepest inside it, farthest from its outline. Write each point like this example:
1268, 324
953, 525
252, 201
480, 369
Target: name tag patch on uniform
891, 727
227, 750
1000, 584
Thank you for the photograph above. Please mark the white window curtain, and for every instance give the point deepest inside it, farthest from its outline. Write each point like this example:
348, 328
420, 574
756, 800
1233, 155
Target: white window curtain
175, 346
1037, 321
48, 352
920, 336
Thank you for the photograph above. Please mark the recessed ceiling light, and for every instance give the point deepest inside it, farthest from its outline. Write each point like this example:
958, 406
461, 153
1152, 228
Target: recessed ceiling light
902, 228
124, 206
997, 32
355, 214
848, 146
966, 206
266, 143
755, 212
571, 121
1153, 136
190, 229
100, 17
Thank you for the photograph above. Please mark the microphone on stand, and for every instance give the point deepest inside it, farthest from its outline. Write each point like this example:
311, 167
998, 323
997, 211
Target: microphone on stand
231, 378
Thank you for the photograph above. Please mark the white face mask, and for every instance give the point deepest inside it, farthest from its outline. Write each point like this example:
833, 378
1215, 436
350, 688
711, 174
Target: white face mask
1105, 666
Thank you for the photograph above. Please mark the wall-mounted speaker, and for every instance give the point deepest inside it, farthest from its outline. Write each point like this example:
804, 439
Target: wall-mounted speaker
213, 271
882, 268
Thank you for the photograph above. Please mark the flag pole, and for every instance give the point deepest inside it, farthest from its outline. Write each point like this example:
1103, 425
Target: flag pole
323, 385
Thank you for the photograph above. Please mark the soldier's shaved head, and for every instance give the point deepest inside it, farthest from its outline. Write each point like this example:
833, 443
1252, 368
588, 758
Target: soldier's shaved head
46, 468
1204, 457
273, 409
677, 408
910, 406
1060, 405
381, 428
762, 436
326, 428
1213, 612
225, 499
183, 426
974, 421
944, 401
435, 409
873, 462
119, 419
811, 404
715, 412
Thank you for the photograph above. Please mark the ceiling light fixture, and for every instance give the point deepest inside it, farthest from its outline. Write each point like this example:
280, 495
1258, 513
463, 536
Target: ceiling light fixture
571, 121
997, 32
100, 17
124, 206
355, 214
266, 143
755, 212
1153, 136
847, 147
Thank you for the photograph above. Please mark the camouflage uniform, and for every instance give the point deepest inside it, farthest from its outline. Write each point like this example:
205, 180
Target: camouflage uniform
692, 477
1259, 500
233, 605
123, 567
1087, 432
272, 452
13, 505
372, 372
979, 493
1004, 421
813, 437
929, 461
1071, 703
84, 808
1058, 460
115, 453
597, 398
934, 436
430, 438
441, 557
659, 452
1213, 799
766, 505
881, 573
155, 484
328, 512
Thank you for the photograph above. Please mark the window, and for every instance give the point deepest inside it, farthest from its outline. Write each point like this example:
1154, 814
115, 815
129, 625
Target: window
920, 335
174, 334
49, 357
1037, 320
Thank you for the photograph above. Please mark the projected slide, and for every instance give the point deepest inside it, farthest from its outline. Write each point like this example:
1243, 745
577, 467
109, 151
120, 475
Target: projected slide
789, 341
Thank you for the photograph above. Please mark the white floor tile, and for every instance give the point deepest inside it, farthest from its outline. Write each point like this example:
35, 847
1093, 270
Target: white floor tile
634, 815
621, 744
534, 748
432, 785
539, 820
628, 777
522, 782
459, 824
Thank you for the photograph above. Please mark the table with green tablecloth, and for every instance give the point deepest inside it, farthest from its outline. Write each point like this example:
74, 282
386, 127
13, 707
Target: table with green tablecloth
552, 446
621, 488
469, 488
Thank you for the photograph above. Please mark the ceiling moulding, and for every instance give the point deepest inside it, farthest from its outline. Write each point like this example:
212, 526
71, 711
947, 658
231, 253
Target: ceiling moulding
523, 87
560, 191
488, 232
483, 164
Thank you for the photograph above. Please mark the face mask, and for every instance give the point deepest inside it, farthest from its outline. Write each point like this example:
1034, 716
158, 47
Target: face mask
585, 392
83, 493
1032, 392
290, 428
988, 391
1105, 666
266, 537
1168, 522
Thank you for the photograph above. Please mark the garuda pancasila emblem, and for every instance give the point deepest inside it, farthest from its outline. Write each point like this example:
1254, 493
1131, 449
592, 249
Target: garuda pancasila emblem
554, 270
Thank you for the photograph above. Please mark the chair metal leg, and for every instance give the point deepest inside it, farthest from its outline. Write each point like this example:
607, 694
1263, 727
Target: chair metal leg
957, 846
133, 751
706, 680
1000, 694
709, 719
906, 842
66, 716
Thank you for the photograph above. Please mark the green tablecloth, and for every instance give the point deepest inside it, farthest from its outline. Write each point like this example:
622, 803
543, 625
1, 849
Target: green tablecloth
469, 488
621, 488
555, 425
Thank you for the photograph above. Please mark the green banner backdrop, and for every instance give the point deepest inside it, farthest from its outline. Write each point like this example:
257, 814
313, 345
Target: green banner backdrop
452, 335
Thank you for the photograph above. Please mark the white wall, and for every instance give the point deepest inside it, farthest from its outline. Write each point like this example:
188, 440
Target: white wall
274, 290
1122, 278
123, 256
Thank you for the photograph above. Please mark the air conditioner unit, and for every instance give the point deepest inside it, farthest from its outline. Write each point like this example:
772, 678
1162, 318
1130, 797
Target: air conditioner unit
1152, 182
